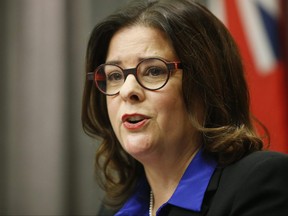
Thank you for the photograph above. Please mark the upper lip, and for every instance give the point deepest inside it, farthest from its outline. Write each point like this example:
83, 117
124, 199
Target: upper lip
134, 116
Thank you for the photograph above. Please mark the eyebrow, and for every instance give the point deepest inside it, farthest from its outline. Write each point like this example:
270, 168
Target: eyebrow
113, 62
118, 62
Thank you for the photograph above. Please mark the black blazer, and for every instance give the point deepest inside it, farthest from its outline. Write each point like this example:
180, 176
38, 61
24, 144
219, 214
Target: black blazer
256, 185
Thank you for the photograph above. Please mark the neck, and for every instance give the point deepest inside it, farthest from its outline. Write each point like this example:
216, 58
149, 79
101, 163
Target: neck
165, 174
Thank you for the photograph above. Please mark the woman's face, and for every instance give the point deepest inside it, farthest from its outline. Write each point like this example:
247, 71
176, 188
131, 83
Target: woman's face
161, 125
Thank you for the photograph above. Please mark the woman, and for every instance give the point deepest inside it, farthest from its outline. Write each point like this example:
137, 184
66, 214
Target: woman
166, 93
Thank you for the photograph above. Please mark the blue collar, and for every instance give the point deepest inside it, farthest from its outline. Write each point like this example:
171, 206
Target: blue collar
189, 193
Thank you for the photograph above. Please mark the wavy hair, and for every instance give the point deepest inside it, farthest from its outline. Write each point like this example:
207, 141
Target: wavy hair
213, 76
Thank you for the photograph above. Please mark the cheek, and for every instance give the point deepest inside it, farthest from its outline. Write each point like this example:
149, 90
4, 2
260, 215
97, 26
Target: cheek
112, 111
173, 97
170, 111
170, 106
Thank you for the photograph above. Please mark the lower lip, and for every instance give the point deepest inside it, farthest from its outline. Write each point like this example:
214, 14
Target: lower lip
135, 126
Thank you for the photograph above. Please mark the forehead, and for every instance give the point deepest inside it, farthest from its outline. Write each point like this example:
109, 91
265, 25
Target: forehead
130, 44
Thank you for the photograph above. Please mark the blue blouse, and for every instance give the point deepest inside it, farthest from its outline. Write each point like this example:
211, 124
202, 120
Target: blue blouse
189, 193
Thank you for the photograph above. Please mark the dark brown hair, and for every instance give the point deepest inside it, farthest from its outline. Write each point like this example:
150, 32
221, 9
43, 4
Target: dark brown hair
213, 76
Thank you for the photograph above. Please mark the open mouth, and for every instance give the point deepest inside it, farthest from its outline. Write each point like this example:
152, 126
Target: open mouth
135, 119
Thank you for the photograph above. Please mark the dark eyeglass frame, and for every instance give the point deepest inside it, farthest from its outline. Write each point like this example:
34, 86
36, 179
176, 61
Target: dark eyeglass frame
174, 65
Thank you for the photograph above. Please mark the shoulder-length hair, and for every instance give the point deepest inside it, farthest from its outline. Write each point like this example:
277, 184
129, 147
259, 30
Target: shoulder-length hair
213, 76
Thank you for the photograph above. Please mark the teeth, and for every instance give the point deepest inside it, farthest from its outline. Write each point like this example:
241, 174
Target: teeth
135, 119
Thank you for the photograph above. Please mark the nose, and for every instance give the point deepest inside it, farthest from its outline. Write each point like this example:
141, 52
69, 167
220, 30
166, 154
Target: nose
131, 90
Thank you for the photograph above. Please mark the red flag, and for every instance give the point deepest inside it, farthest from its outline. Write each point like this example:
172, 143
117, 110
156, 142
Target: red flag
284, 38
255, 25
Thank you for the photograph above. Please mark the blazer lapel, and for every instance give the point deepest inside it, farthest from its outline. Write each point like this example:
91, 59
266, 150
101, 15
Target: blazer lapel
209, 194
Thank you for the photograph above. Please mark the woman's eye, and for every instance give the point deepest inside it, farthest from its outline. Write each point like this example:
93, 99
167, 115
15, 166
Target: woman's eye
115, 76
155, 71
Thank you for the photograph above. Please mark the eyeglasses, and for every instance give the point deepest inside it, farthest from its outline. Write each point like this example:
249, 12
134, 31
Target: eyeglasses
150, 73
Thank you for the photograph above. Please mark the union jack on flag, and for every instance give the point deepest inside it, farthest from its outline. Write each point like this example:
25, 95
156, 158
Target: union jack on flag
255, 25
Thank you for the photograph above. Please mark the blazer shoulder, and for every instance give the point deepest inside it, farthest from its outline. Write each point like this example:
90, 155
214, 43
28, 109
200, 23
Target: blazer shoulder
266, 155
261, 167
268, 159
254, 185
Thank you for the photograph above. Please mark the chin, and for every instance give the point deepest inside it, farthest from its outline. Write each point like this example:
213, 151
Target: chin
138, 145
138, 151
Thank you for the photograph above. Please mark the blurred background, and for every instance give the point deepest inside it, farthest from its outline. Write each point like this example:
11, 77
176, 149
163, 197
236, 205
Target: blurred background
46, 161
